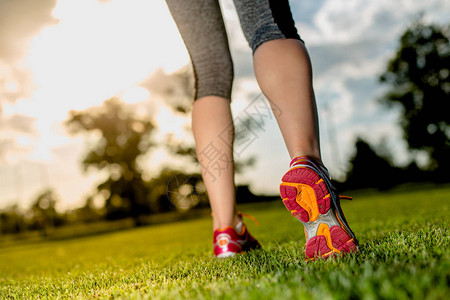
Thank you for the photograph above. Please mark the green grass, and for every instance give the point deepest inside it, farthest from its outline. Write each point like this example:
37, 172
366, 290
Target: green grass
404, 238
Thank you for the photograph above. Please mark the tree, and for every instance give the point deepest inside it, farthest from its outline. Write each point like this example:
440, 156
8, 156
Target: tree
43, 212
12, 220
87, 213
372, 168
123, 139
369, 170
419, 80
174, 189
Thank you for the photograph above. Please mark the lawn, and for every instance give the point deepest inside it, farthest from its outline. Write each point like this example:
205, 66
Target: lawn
404, 237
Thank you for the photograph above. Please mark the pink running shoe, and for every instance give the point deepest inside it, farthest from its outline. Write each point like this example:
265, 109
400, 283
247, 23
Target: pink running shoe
309, 195
228, 242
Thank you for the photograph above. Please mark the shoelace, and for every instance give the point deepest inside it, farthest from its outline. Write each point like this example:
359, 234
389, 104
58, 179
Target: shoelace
249, 216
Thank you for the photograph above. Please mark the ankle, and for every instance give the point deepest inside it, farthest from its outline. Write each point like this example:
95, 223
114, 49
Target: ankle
299, 158
312, 155
219, 223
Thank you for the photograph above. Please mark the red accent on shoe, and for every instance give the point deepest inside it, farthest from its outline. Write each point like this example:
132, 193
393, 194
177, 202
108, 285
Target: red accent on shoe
341, 240
317, 246
304, 179
227, 242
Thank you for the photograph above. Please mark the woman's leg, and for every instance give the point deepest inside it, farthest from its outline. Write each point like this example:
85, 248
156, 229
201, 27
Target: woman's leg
211, 117
283, 70
201, 26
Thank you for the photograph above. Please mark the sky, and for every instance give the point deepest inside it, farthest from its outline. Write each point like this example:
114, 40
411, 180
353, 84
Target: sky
63, 55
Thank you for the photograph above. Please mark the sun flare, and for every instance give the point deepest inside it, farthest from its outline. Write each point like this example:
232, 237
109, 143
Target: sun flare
99, 49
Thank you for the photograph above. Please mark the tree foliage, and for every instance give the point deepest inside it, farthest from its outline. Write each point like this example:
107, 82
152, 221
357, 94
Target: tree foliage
419, 80
12, 220
41, 215
123, 138
368, 169
43, 212
180, 190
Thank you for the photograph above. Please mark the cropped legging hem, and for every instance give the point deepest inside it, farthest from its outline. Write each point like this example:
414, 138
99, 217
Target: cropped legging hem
202, 28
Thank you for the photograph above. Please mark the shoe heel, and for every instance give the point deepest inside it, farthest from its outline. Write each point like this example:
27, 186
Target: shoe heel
304, 194
334, 241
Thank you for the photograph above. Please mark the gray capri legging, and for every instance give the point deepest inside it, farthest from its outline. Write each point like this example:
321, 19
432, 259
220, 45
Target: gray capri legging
202, 28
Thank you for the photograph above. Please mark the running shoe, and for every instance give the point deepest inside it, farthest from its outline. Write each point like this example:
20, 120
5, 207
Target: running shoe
309, 195
229, 242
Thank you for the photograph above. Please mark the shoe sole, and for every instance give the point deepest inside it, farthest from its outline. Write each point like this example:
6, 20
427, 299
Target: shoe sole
310, 200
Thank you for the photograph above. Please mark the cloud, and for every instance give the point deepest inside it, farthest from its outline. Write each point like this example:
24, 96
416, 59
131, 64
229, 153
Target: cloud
17, 136
5, 146
11, 150
361, 35
343, 21
18, 123
235, 35
175, 89
15, 83
305, 11
20, 20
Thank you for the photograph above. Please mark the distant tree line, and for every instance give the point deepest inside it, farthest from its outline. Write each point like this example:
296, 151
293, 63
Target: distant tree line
41, 216
418, 77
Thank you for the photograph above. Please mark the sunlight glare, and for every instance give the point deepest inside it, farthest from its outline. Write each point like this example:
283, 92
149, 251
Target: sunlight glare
98, 49
12, 87
135, 94
171, 123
